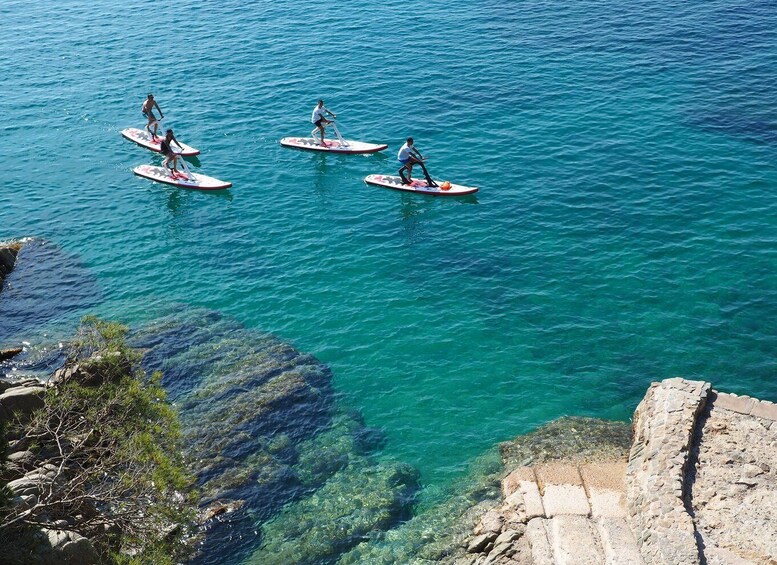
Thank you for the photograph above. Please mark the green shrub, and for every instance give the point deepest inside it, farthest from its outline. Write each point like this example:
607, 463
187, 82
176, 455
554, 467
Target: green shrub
121, 478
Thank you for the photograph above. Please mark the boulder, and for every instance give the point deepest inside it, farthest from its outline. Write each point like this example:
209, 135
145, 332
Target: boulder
8, 253
22, 459
91, 372
217, 508
8, 353
21, 401
62, 547
27, 485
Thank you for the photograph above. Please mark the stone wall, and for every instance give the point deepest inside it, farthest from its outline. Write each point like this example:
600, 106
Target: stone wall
664, 425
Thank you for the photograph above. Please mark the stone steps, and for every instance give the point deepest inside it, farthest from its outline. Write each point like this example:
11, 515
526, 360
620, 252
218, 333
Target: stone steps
573, 515
699, 487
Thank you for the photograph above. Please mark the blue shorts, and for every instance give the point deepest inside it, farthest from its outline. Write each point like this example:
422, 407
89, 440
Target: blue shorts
403, 161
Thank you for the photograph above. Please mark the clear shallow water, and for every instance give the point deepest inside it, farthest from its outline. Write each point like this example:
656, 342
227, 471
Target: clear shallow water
625, 230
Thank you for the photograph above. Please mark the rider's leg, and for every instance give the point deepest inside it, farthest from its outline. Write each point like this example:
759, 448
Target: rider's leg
402, 174
166, 165
321, 129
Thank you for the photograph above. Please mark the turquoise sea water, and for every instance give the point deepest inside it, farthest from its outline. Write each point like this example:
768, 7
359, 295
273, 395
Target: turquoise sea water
624, 232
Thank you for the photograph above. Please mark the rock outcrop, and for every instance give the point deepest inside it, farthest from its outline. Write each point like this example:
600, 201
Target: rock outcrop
699, 486
8, 253
20, 401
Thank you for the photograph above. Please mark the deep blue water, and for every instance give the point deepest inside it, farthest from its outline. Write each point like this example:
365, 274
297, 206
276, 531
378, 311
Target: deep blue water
624, 231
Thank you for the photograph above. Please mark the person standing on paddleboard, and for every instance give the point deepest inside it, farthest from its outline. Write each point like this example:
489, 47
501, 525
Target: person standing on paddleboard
319, 120
167, 150
409, 156
148, 111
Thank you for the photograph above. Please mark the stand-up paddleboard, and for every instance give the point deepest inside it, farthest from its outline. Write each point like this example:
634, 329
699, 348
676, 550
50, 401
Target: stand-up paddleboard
339, 145
194, 181
445, 188
332, 146
143, 138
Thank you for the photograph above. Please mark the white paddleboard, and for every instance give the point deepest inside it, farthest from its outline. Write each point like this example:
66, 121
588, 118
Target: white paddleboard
332, 145
143, 138
445, 188
195, 181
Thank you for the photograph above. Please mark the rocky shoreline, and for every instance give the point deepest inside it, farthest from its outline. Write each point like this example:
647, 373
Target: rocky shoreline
285, 475
699, 485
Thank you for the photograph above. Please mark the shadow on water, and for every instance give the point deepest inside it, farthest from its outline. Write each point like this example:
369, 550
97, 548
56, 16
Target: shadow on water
194, 160
178, 197
41, 303
756, 129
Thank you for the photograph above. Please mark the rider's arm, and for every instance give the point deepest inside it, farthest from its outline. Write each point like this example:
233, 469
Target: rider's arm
161, 115
174, 139
330, 113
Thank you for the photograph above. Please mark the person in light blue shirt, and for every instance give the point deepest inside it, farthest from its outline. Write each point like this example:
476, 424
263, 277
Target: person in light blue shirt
408, 155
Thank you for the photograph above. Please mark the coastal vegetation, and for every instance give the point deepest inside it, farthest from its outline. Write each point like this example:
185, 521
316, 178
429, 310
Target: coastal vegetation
107, 457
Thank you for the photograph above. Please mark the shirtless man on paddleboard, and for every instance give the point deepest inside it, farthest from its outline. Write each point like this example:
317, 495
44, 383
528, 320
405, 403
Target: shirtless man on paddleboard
148, 111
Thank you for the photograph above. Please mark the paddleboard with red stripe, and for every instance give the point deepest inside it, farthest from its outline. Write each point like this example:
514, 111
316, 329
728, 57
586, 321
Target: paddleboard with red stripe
332, 145
143, 138
194, 181
444, 188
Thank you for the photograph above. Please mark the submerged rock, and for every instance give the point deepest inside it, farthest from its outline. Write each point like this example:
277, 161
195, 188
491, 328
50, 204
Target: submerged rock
6, 354
356, 502
588, 439
442, 532
246, 400
439, 529
261, 425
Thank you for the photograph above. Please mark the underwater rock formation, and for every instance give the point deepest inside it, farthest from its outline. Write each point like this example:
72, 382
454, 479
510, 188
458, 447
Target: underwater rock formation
261, 425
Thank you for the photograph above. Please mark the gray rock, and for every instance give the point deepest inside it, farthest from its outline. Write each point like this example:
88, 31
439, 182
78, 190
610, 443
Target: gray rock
24, 486
23, 459
27, 382
507, 537
21, 401
80, 551
751, 471
62, 547
56, 538
25, 501
491, 522
481, 542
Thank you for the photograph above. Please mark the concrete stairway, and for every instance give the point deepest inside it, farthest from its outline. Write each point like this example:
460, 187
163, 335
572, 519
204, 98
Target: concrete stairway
567, 515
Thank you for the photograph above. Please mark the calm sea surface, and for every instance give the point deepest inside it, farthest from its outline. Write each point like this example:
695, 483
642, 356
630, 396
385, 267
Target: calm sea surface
625, 229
